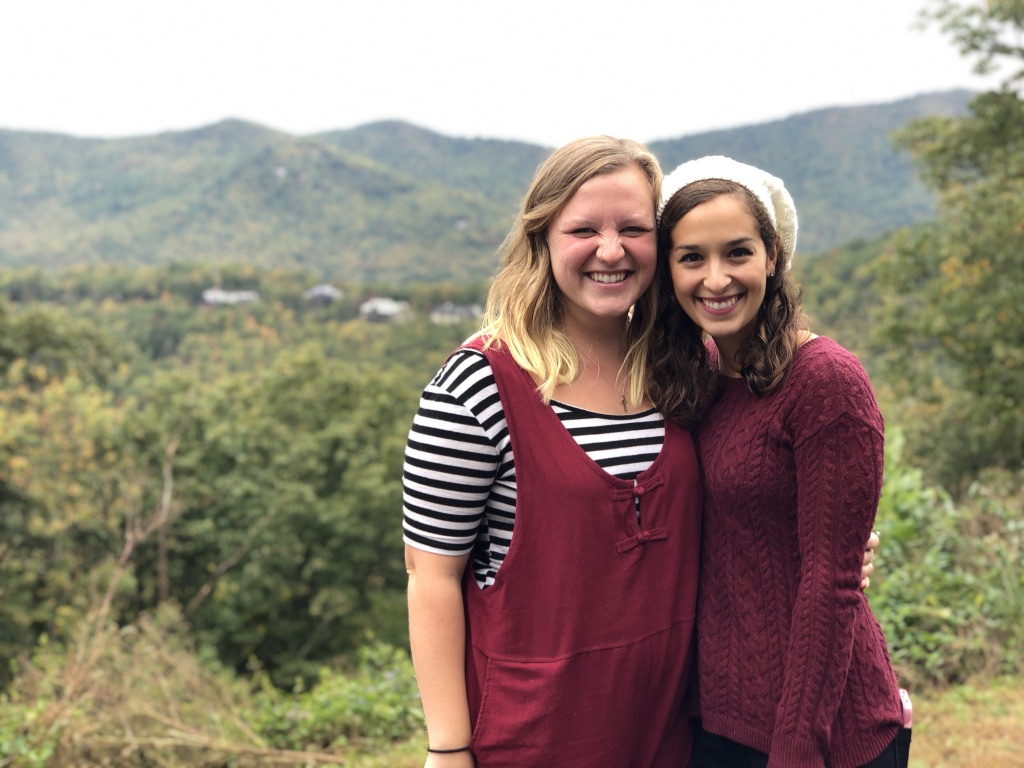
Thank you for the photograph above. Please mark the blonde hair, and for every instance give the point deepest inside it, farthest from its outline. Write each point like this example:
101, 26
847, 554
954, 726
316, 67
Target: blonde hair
524, 306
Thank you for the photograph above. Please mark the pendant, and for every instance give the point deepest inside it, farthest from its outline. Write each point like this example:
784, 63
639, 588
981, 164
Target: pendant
622, 399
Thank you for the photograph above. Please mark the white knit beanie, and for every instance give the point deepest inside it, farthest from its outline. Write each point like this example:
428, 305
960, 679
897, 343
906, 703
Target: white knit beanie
767, 188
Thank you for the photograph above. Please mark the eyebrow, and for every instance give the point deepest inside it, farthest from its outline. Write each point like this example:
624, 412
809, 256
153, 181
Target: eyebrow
632, 220
730, 244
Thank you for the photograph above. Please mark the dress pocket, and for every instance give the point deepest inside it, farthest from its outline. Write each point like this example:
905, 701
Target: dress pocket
599, 709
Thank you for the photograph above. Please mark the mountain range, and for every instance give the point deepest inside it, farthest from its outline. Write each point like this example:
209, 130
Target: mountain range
393, 203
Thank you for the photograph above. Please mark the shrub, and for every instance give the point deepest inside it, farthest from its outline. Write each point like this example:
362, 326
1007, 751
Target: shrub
367, 707
949, 595
140, 694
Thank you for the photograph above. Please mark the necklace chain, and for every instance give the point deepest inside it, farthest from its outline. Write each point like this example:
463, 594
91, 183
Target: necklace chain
614, 384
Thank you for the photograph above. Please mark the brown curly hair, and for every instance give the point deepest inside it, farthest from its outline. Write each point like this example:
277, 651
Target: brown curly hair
682, 374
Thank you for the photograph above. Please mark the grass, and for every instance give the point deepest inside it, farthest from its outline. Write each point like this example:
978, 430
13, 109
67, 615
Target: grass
409, 754
979, 725
135, 696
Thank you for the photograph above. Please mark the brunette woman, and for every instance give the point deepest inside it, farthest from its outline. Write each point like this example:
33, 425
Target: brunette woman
793, 667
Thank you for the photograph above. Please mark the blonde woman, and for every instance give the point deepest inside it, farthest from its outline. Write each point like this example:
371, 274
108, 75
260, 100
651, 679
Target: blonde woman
551, 513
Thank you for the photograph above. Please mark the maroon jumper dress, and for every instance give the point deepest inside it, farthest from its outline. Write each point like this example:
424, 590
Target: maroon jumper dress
578, 656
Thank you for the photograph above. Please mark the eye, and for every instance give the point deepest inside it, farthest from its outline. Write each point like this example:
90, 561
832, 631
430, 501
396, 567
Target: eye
636, 231
740, 253
689, 257
582, 232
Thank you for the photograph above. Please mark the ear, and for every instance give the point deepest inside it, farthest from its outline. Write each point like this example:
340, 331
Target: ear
773, 258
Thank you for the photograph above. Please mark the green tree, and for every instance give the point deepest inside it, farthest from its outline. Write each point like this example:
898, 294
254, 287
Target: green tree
67, 495
283, 540
953, 319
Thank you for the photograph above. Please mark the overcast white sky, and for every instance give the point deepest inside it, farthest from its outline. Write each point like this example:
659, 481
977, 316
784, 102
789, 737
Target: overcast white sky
542, 71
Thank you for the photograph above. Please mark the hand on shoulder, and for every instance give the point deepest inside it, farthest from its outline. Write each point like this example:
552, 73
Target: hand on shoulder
806, 336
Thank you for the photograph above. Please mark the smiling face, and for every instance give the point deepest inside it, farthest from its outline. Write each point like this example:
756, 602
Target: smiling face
603, 246
719, 267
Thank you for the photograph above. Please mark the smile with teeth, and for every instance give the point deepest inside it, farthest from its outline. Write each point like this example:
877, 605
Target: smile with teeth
721, 304
607, 277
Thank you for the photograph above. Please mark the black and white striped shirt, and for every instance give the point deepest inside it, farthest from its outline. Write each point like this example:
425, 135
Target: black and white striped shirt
459, 478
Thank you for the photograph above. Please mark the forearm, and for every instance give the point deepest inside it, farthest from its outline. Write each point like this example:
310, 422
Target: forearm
837, 502
437, 634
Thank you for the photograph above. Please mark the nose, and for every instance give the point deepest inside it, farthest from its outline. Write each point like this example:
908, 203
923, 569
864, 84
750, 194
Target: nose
610, 249
716, 278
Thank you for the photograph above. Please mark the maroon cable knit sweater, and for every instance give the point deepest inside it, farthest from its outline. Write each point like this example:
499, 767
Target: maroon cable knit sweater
791, 660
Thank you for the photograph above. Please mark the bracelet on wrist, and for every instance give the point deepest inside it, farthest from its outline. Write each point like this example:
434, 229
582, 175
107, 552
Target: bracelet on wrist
448, 751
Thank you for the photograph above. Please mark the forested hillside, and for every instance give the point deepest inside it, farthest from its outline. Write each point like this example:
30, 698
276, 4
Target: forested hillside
389, 202
847, 178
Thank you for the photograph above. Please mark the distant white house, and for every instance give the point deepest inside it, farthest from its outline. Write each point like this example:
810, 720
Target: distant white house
383, 310
321, 294
219, 296
449, 313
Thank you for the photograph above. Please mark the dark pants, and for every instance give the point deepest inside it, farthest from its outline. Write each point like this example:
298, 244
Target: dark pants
713, 751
